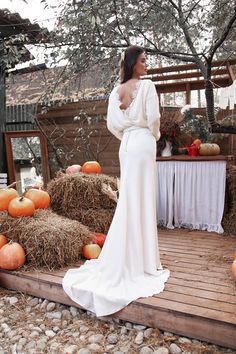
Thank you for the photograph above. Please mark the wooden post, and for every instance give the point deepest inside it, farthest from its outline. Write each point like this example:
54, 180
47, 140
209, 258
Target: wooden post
3, 166
188, 94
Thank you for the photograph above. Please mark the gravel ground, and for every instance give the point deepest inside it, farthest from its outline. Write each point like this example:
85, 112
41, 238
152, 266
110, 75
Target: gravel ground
30, 325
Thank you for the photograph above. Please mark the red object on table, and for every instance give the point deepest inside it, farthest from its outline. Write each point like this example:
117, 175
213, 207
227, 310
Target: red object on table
193, 150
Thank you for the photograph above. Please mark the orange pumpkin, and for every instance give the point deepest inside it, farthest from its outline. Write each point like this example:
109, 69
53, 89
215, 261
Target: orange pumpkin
99, 239
21, 207
233, 269
12, 256
197, 142
91, 167
40, 198
3, 241
91, 251
6, 195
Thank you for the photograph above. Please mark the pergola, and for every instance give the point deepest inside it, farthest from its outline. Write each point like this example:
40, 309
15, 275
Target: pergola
186, 78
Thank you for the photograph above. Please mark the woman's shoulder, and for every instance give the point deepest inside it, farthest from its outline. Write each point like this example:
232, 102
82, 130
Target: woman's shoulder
148, 82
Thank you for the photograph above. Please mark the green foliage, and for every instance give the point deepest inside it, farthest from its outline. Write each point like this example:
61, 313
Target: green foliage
195, 125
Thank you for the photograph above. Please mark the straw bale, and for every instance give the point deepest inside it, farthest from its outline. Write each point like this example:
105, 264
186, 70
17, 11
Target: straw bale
49, 240
81, 191
96, 220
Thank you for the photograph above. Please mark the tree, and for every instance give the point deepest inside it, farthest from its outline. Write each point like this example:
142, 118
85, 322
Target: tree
182, 30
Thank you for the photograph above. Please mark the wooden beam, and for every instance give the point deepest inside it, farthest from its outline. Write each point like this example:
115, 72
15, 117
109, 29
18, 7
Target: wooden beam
193, 74
188, 94
218, 63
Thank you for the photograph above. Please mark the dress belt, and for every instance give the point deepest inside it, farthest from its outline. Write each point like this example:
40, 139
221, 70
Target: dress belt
133, 128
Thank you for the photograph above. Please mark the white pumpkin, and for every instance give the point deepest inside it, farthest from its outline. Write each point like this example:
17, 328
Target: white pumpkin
208, 149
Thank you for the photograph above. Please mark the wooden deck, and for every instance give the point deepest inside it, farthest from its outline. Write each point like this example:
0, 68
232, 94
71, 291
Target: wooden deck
199, 300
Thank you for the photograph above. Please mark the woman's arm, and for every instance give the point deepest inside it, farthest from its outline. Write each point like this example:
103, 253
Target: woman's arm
152, 111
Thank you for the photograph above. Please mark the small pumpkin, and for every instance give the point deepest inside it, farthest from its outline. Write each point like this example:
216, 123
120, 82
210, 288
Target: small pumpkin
40, 198
6, 195
208, 149
91, 167
233, 269
73, 169
91, 251
21, 207
197, 142
3, 240
12, 256
99, 239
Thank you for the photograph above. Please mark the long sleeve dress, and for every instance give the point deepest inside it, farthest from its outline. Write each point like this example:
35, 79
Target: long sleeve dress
129, 265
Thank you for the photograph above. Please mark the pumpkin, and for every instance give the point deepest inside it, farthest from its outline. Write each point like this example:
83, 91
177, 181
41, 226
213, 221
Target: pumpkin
21, 207
91, 167
208, 149
3, 241
40, 198
197, 142
12, 256
6, 195
91, 251
73, 169
99, 239
233, 269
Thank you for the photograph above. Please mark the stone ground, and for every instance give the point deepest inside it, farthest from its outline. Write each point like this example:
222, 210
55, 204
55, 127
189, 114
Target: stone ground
30, 325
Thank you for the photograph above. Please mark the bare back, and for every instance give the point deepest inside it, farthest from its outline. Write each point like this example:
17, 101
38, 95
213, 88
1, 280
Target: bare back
126, 93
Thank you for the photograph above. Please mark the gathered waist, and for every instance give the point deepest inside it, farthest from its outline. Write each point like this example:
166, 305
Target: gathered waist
134, 128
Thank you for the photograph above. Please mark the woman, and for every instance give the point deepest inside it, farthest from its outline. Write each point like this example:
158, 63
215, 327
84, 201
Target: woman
129, 265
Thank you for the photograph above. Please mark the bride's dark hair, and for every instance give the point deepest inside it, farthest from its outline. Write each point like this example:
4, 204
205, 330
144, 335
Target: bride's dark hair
128, 60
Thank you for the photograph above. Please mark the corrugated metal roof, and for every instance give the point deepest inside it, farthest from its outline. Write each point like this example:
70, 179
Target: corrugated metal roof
13, 24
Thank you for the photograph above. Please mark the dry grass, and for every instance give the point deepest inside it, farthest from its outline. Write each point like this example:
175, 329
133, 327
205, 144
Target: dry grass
49, 240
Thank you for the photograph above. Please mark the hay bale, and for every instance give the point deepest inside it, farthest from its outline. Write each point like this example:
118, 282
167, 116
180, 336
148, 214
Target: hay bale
89, 199
96, 220
81, 191
49, 240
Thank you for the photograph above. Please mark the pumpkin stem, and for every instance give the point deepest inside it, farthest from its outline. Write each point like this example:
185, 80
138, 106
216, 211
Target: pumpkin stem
21, 198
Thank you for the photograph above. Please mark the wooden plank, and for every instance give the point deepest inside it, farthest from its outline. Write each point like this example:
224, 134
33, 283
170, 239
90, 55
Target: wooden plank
192, 158
194, 326
164, 318
200, 293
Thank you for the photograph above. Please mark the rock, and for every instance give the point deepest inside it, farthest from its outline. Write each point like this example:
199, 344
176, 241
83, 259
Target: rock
83, 329
161, 350
139, 338
44, 304
50, 306
34, 301
13, 300
174, 349
84, 351
71, 349
112, 338
56, 315
146, 350
96, 338
148, 332
139, 327
123, 330
184, 340
73, 311
50, 333
128, 325
94, 347
34, 334
168, 334
66, 314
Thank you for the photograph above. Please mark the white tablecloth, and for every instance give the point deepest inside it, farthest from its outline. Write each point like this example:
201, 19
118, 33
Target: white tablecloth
191, 194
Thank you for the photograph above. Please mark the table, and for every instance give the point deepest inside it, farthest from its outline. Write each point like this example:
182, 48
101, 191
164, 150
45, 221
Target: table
191, 192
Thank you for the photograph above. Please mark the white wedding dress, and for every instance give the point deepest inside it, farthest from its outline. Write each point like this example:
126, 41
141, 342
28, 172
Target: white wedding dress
129, 265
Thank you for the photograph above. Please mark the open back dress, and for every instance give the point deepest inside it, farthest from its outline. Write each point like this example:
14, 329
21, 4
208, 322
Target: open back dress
128, 266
